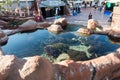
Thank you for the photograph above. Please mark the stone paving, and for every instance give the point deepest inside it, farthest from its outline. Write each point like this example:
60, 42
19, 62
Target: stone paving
82, 18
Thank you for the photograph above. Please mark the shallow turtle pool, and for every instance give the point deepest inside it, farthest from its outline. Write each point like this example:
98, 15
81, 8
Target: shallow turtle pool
37, 43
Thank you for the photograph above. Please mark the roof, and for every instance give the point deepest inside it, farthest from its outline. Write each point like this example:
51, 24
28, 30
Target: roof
51, 3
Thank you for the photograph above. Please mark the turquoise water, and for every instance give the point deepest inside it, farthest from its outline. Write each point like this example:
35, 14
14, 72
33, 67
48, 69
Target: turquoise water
33, 43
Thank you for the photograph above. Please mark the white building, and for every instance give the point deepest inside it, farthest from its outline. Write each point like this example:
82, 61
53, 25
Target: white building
75, 3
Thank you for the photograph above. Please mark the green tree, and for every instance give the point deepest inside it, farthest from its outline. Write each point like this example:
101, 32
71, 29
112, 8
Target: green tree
9, 3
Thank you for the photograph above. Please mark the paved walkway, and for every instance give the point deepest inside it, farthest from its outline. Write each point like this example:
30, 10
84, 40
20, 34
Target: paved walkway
82, 18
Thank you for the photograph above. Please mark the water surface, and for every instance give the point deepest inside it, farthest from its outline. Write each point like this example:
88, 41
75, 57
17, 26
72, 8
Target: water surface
33, 43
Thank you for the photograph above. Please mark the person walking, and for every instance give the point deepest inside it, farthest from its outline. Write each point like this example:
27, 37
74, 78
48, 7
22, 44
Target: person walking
90, 16
110, 18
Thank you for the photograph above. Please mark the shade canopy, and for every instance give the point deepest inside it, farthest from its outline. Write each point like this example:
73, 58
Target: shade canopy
51, 3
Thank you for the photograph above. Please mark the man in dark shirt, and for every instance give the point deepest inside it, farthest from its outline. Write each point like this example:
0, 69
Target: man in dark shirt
90, 16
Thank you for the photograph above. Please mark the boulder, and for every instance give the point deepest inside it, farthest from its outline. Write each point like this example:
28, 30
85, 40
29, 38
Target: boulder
62, 22
11, 32
116, 29
102, 68
28, 25
92, 24
55, 28
3, 37
2, 34
1, 52
38, 68
43, 25
31, 68
7, 68
83, 31
3, 24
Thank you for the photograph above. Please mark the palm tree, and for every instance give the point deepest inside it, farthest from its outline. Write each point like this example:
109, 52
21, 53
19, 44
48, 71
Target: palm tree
37, 7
